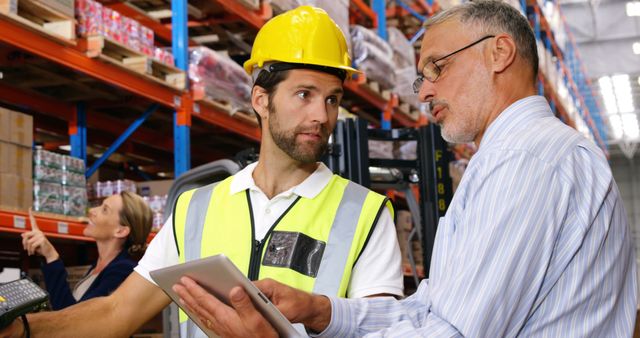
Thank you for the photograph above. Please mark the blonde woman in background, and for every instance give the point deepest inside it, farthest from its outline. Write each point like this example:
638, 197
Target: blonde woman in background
120, 227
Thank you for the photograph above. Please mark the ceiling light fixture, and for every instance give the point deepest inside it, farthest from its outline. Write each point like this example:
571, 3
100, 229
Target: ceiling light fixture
608, 96
636, 48
622, 87
633, 8
616, 126
630, 126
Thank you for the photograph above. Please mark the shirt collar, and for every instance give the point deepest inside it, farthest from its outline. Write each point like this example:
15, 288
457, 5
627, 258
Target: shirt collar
309, 188
514, 116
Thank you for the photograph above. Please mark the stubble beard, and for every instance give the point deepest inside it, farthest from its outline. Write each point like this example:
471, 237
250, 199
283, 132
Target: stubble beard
286, 141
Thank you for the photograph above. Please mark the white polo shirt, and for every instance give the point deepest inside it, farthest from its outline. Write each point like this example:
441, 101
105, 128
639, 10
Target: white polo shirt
378, 269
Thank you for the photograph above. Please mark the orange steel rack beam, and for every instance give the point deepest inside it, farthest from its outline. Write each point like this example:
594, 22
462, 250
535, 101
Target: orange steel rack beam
212, 116
71, 57
368, 12
47, 48
17, 221
54, 108
379, 102
64, 227
254, 18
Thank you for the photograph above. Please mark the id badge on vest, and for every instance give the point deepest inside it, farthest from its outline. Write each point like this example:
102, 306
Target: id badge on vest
294, 250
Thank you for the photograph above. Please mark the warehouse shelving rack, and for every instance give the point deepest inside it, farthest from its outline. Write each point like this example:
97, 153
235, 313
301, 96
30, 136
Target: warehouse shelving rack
83, 119
165, 105
570, 66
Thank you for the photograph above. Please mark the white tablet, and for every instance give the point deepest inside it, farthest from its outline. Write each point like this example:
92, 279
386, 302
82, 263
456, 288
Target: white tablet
218, 275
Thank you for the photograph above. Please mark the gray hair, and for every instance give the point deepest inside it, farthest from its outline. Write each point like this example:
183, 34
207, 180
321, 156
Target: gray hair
494, 17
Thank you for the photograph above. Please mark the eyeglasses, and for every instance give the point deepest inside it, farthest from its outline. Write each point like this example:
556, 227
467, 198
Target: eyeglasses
431, 71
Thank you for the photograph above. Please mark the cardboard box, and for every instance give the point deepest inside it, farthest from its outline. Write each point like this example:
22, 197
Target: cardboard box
16, 127
16, 192
150, 188
5, 123
16, 160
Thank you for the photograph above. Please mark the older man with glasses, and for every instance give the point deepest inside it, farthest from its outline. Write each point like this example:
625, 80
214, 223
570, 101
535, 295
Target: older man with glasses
535, 242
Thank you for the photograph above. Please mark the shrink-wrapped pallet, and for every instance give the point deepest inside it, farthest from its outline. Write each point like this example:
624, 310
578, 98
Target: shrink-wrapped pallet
216, 76
404, 60
373, 56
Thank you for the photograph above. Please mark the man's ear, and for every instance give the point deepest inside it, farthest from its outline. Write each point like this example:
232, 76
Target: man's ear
503, 52
260, 101
122, 231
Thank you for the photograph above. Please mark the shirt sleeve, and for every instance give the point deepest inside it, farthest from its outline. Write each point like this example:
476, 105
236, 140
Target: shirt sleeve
379, 268
490, 256
110, 278
55, 279
387, 317
162, 252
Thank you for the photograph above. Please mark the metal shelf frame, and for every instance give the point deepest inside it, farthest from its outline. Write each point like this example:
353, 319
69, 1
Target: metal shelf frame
573, 72
68, 54
81, 116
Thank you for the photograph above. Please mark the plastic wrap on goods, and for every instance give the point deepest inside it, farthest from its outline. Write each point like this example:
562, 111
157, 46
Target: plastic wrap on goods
47, 197
214, 75
381, 47
404, 60
108, 188
403, 52
373, 56
74, 200
404, 85
157, 204
89, 17
280, 6
59, 184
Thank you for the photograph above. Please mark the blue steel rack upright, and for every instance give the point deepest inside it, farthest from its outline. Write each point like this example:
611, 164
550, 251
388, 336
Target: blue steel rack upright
182, 118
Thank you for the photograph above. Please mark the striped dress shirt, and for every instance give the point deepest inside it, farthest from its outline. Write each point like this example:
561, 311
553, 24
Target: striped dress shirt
535, 244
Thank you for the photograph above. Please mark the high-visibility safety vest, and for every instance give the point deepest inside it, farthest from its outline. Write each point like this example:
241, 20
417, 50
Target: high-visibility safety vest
313, 246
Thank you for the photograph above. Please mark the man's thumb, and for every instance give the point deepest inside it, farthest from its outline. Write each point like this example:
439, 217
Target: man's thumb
239, 297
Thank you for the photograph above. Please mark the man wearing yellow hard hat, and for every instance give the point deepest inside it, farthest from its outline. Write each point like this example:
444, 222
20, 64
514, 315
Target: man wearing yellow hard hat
286, 217
342, 234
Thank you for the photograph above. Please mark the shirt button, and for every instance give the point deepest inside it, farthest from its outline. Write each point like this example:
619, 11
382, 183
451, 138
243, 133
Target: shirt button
267, 211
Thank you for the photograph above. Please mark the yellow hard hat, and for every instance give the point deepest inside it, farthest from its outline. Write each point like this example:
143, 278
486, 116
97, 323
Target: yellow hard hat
305, 35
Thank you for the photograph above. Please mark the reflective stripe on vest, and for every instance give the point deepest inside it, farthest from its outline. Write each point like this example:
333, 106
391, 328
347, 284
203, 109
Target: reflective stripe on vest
336, 253
192, 234
213, 213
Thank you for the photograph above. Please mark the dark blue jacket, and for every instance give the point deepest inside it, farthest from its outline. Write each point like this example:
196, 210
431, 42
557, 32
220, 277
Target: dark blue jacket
61, 296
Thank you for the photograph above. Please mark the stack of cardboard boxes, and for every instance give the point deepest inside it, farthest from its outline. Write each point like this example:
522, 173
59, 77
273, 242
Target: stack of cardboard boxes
16, 138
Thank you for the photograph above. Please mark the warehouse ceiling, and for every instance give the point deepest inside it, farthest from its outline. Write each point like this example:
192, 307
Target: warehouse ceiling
608, 40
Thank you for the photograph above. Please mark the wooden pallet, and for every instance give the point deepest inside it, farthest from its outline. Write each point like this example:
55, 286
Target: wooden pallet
39, 17
115, 52
118, 54
248, 117
373, 87
412, 112
170, 75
